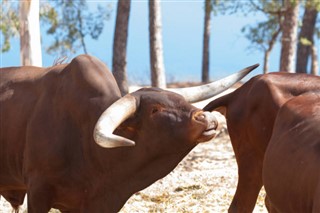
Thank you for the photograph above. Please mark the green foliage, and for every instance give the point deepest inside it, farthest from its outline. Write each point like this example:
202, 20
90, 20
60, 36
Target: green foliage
305, 41
262, 33
228, 6
9, 24
70, 22
246, 7
312, 4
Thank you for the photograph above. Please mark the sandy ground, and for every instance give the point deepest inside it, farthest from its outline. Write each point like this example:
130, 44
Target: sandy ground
204, 182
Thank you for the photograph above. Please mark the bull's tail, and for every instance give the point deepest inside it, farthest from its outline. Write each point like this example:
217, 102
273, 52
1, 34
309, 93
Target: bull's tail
219, 104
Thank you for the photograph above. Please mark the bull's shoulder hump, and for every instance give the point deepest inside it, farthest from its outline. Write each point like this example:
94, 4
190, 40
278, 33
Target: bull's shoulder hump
89, 74
88, 66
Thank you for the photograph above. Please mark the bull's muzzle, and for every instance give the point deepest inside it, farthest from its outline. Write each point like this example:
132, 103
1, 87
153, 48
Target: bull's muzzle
214, 121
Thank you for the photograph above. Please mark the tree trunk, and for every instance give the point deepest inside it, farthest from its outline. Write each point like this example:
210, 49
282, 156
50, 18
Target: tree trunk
83, 44
268, 51
156, 52
206, 42
314, 61
307, 32
266, 61
30, 41
289, 35
119, 59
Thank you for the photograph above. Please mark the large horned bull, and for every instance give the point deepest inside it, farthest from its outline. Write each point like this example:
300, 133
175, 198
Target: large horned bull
70, 141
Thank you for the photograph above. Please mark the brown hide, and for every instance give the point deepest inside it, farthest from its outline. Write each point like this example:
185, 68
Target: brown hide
250, 112
291, 172
47, 150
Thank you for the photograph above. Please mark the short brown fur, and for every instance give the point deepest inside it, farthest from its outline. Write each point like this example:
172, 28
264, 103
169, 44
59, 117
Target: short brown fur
47, 149
251, 111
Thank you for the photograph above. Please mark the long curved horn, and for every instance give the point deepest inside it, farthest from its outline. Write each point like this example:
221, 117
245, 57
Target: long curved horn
200, 93
110, 119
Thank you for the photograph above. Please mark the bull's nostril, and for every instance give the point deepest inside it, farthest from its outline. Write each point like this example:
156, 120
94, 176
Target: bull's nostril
200, 117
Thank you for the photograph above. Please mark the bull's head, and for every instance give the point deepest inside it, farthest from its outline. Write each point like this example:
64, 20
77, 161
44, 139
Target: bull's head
166, 108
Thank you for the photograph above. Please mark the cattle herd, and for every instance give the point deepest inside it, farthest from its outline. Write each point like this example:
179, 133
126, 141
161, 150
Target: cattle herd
69, 141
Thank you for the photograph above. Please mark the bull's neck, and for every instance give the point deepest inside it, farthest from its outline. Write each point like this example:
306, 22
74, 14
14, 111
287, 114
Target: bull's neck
125, 175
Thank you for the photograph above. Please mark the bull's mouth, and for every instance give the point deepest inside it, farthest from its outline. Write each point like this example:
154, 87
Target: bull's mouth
207, 135
209, 132
213, 127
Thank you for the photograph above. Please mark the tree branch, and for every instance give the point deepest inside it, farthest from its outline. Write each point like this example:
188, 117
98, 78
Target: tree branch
278, 12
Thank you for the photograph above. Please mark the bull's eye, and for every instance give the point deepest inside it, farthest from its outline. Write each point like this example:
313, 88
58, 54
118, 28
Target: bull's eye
154, 110
183, 109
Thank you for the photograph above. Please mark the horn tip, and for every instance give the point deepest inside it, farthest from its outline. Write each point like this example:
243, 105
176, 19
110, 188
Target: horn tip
112, 141
254, 66
250, 68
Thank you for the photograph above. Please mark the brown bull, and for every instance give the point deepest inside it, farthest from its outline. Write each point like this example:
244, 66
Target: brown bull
250, 112
70, 141
291, 168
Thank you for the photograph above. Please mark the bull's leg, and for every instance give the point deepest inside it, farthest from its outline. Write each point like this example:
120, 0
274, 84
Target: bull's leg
249, 183
316, 200
269, 205
38, 196
14, 197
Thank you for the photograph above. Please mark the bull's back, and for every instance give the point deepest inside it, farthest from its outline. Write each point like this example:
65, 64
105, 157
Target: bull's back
252, 108
267, 95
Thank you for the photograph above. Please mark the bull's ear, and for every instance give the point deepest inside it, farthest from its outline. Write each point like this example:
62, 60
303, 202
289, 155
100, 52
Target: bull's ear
127, 129
110, 119
203, 92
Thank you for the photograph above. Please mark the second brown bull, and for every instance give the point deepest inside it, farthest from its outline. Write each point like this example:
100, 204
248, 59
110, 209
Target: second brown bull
250, 112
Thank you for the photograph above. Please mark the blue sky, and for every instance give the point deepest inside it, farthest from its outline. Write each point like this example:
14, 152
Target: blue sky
182, 28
